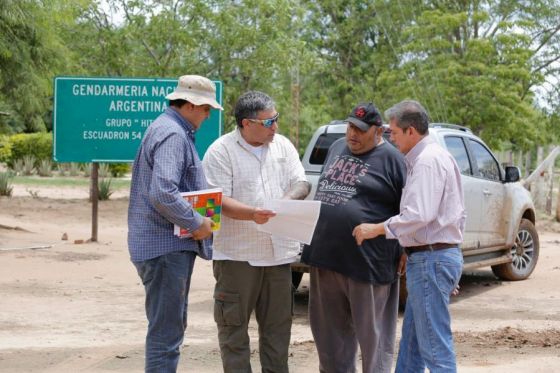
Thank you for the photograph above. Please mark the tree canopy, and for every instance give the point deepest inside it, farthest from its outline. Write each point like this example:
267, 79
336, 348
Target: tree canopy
490, 65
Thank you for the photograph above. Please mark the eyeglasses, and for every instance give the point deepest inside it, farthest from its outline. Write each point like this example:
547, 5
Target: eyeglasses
267, 123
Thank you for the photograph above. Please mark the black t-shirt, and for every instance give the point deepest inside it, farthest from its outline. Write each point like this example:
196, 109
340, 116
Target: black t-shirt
355, 189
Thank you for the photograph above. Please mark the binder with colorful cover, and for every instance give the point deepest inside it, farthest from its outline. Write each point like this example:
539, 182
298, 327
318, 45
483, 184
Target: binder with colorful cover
208, 203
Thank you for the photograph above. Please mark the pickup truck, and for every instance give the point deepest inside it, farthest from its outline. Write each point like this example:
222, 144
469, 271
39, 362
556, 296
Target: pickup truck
500, 228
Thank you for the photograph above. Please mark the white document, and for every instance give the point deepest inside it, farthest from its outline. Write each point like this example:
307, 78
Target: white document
294, 219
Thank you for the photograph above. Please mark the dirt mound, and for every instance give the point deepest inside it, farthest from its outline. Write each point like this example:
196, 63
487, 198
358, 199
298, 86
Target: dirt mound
510, 337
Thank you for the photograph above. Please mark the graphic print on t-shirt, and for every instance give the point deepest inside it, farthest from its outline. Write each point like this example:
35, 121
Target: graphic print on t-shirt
339, 180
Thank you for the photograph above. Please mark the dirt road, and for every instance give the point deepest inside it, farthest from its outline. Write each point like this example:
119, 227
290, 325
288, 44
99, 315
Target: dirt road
79, 307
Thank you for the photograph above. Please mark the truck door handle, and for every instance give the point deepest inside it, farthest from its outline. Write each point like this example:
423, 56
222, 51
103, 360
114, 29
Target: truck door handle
486, 192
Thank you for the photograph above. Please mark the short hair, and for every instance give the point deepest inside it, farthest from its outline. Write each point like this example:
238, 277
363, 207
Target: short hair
178, 103
250, 104
409, 113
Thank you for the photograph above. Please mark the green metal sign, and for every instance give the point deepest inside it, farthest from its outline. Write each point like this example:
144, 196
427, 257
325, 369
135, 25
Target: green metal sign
104, 119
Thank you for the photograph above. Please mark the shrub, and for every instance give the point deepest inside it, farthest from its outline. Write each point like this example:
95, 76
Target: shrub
33, 193
6, 184
74, 169
28, 164
119, 169
17, 166
5, 149
103, 170
38, 145
61, 167
105, 190
86, 167
45, 168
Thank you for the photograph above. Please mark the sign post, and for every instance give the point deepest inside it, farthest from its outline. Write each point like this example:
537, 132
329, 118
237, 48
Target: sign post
104, 119
94, 196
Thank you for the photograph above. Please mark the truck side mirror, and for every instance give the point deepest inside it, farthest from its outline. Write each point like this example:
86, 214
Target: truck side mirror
512, 174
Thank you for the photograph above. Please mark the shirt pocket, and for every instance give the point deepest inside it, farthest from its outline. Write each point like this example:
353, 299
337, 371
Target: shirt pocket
281, 173
227, 311
248, 190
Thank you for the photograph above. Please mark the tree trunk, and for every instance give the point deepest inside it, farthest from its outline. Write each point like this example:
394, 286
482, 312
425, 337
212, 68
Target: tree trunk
294, 128
550, 189
539, 195
527, 163
558, 206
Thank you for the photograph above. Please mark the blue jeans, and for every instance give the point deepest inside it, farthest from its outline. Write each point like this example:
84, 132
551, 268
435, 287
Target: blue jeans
167, 280
426, 339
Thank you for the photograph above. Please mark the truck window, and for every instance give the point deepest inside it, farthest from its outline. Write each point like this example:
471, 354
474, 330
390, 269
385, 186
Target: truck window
322, 146
487, 166
456, 147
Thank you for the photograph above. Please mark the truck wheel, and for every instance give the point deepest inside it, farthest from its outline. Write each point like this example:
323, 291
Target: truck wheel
296, 279
524, 253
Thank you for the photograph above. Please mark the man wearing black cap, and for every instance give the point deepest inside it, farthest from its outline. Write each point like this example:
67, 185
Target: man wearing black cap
353, 297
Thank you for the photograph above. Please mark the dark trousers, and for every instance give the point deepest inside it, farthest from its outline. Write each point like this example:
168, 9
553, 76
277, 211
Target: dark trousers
166, 280
344, 313
240, 289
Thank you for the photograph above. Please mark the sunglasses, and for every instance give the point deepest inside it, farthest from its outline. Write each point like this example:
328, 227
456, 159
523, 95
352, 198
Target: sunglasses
267, 123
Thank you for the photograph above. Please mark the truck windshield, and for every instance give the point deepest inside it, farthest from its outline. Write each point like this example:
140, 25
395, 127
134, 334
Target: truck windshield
325, 140
322, 146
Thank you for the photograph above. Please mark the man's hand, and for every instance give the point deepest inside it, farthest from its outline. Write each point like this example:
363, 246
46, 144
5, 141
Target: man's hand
367, 231
261, 216
204, 231
401, 267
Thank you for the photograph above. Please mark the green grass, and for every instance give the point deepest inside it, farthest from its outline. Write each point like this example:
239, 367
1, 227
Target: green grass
65, 181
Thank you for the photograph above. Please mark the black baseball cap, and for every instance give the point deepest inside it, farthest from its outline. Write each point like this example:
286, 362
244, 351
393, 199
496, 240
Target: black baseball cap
365, 115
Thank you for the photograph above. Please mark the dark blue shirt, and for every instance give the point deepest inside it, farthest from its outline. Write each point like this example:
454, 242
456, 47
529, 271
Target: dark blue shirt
166, 164
355, 189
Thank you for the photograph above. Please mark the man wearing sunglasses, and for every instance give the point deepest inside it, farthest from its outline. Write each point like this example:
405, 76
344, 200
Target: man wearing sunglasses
253, 164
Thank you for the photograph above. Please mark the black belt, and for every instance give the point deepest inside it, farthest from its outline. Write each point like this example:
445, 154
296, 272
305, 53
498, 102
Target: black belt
431, 247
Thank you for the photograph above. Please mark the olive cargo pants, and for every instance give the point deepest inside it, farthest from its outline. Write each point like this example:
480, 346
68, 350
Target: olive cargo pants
240, 289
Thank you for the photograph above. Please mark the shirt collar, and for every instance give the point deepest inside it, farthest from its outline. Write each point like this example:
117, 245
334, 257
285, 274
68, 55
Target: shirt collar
413, 154
171, 111
241, 141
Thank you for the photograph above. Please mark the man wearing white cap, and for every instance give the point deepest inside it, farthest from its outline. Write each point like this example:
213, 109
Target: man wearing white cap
166, 165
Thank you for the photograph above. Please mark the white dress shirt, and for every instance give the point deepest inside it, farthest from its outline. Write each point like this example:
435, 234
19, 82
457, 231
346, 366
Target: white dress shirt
231, 164
432, 208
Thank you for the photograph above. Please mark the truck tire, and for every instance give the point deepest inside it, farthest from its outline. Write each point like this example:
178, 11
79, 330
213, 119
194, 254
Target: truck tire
525, 253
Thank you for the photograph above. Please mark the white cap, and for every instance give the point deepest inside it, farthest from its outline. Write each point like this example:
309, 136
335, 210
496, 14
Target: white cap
197, 90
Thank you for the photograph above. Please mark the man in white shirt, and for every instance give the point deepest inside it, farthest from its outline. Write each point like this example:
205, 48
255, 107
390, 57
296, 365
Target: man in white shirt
430, 227
253, 164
